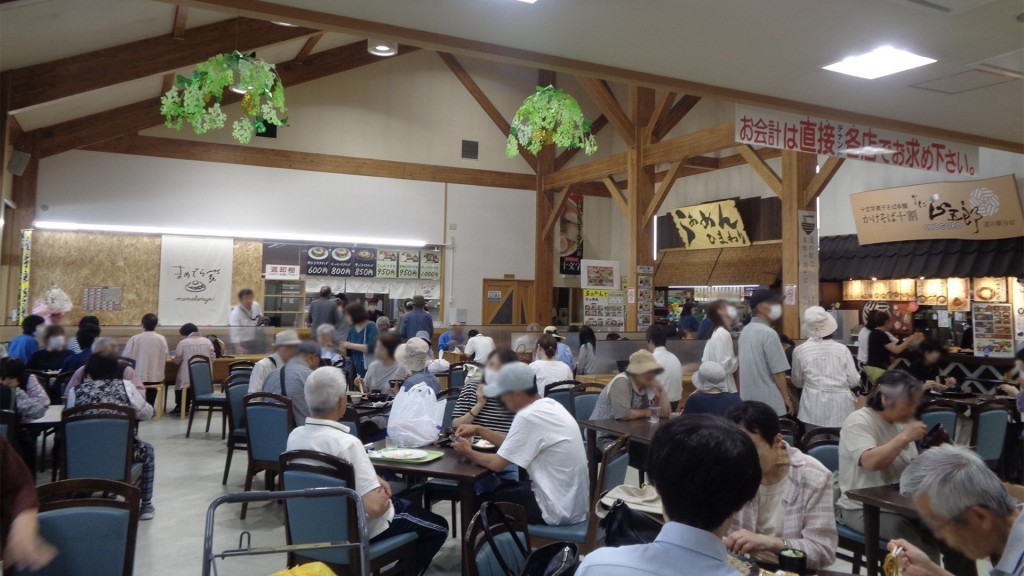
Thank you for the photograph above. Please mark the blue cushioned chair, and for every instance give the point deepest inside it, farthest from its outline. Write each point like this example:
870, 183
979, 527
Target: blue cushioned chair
310, 521
940, 412
588, 534
561, 392
98, 441
8, 424
991, 420
478, 556
456, 375
450, 397
438, 489
826, 452
235, 389
200, 374
95, 536
351, 421
582, 402
268, 422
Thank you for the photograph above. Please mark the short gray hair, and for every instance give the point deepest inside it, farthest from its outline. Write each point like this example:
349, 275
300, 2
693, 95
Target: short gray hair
105, 345
323, 389
325, 329
955, 479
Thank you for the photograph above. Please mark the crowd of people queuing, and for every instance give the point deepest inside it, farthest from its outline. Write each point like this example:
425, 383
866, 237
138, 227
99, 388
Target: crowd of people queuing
727, 478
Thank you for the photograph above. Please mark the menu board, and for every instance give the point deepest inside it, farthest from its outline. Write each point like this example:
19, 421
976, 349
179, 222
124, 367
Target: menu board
1017, 293
957, 294
898, 290
644, 301
604, 308
993, 329
372, 263
992, 289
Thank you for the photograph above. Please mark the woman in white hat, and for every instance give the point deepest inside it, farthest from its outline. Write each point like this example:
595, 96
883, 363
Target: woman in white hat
826, 371
712, 395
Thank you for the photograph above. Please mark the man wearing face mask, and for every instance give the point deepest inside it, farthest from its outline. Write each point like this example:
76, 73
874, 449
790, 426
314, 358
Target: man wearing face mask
373, 310
762, 360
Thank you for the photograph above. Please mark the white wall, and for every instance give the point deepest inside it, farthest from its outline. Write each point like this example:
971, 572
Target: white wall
493, 235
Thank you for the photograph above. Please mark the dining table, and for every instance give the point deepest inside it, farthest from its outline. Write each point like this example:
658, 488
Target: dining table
44, 426
640, 432
874, 500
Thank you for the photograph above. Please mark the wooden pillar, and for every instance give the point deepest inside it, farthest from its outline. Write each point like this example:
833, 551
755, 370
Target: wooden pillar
544, 245
23, 194
641, 192
797, 174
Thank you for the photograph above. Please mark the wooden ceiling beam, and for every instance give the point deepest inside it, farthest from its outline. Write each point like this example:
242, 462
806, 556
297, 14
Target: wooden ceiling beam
82, 132
292, 160
702, 163
308, 47
617, 194
674, 172
610, 107
488, 106
694, 144
180, 22
674, 116
569, 153
594, 170
739, 160
770, 177
41, 83
660, 111
556, 212
825, 174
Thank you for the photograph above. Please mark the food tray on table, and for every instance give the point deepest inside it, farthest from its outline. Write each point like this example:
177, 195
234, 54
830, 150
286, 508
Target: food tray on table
405, 455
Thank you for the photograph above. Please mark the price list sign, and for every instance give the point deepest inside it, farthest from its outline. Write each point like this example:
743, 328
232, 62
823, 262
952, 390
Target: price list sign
349, 262
430, 265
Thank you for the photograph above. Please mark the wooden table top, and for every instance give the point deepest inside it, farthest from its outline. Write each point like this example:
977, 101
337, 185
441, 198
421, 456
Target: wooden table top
595, 378
449, 467
48, 420
639, 430
886, 497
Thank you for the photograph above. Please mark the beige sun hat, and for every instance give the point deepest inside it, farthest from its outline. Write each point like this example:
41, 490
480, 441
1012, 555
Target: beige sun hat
286, 338
414, 354
818, 323
642, 362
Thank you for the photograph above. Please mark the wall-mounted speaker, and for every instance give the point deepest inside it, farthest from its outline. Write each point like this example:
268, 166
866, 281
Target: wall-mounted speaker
18, 162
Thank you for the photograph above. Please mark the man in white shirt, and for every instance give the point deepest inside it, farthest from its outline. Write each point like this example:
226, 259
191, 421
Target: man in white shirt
387, 516
545, 439
479, 346
244, 319
672, 375
284, 349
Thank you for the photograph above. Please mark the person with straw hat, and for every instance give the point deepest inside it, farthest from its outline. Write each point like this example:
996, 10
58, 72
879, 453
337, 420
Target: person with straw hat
632, 394
712, 395
826, 372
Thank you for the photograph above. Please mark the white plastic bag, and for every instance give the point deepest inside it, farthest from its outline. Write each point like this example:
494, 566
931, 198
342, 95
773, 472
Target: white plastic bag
416, 417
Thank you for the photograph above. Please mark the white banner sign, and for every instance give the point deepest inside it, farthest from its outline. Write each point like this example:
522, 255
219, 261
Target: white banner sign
195, 280
848, 140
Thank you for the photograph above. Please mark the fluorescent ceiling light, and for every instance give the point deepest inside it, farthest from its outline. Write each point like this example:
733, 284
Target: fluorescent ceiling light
221, 233
280, 23
879, 62
382, 47
528, 1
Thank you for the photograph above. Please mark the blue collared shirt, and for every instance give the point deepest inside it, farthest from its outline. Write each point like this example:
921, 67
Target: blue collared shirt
444, 342
564, 354
1012, 561
679, 549
414, 321
422, 377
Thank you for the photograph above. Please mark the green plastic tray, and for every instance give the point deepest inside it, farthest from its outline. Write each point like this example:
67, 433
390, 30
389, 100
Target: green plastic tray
430, 457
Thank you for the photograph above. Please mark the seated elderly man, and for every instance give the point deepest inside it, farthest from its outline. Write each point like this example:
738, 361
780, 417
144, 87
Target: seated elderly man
967, 507
328, 351
545, 440
793, 507
705, 470
387, 516
285, 342
290, 379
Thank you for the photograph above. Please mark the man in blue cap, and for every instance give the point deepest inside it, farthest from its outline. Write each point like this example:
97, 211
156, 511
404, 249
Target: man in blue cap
545, 439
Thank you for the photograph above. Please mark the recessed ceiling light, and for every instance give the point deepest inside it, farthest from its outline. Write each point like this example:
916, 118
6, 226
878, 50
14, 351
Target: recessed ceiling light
288, 24
879, 62
528, 1
382, 47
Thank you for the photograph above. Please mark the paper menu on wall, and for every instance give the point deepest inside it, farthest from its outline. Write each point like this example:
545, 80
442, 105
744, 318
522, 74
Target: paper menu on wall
993, 329
604, 308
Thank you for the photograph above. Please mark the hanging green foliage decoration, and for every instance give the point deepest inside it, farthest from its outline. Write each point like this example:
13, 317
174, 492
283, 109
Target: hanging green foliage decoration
550, 116
197, 98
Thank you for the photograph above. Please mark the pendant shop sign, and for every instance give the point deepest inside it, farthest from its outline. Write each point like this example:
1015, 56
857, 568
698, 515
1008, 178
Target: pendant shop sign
711, 225
970, 210
814, 135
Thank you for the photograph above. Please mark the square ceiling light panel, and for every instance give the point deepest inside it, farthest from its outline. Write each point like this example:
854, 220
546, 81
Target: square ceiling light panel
880, 62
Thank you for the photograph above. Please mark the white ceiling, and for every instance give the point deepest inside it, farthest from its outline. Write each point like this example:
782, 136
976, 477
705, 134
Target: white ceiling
770, 47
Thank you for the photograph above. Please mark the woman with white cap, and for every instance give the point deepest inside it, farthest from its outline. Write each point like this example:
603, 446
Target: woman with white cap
826, 372
712, 395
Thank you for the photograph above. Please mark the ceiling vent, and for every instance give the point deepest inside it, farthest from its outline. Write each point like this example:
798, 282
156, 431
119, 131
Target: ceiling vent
1010, 64
963, 82
948, 7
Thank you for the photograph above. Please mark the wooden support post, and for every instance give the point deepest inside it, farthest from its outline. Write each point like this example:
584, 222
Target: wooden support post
23, 194
797, 174
544, 246
641, 193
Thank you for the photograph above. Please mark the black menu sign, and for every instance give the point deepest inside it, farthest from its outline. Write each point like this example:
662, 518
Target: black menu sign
327, 261
364, 262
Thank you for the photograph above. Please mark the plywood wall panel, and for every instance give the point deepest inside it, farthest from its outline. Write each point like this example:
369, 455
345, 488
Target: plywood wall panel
247, 269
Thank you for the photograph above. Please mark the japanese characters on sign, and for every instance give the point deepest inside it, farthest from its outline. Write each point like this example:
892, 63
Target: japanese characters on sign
970, 210
711, 225
604, 308
195, 280
358, 262
570, 236
600, 274
807, 252
281, 272
785, 131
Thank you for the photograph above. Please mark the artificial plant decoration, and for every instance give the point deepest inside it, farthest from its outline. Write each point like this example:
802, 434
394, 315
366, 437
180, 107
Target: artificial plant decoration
197, 98
550, 116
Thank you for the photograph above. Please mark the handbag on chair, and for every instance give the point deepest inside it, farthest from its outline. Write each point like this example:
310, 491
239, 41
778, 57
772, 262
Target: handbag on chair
624, 526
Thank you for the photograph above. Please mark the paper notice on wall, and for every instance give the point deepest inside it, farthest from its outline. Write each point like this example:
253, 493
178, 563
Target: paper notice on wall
195, 280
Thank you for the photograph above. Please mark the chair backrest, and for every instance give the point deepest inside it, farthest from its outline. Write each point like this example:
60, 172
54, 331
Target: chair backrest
235, 404
95, 536
351, 421
824, 451
456, 375
98, 442
990, 424
614, 465
309, 521
246, 372
790, 430
8, 424
450, 398
268, 422
561, 392
200, 374
478, 555
582, 402
61, 381
818, 434
240, 364
126, 361
940, 414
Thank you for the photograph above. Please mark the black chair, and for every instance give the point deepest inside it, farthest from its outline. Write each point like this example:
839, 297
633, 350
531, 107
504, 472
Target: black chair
310, 521
236, 388
9, 425
95, 535
817, 435
200, 376
790, 429
478, 556
239, 364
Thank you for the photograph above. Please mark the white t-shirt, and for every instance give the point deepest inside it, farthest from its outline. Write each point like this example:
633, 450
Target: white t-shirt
863, 430
334, 438
545, 439
549, 372
672, 377
480, 347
